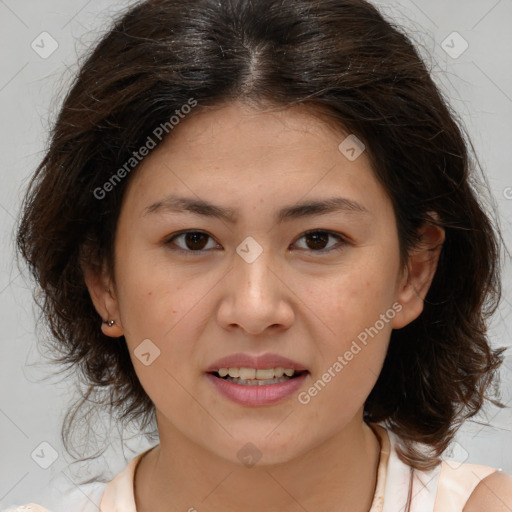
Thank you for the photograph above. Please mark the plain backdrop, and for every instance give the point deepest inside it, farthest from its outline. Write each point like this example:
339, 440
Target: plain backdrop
467, 44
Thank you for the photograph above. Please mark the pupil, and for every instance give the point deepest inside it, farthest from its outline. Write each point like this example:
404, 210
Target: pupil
316, 236
194, 237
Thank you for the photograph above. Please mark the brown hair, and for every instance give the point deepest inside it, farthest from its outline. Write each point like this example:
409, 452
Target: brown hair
339, 57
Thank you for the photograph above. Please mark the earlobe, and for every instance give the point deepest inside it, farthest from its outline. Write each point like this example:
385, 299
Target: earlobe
103, 297
109, 328
422, 266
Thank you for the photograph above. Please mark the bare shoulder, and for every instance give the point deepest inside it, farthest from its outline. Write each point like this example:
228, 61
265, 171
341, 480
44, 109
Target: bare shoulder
492, 494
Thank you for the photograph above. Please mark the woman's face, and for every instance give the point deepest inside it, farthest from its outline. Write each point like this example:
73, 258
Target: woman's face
257, 283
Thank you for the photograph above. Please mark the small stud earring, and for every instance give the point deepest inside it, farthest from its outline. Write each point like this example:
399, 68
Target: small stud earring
110, 323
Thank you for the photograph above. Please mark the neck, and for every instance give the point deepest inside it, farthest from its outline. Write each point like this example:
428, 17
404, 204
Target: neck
336, 476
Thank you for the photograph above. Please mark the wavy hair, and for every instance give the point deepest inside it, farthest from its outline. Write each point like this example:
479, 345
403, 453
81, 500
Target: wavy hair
345, 62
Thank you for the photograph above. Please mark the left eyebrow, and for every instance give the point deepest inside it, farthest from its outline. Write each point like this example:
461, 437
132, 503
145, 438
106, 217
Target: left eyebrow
178, 204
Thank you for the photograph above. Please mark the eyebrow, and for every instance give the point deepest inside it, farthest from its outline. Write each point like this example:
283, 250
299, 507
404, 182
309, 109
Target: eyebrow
178, 204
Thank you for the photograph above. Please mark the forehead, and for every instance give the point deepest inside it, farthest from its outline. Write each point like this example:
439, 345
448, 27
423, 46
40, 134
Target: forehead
238, 152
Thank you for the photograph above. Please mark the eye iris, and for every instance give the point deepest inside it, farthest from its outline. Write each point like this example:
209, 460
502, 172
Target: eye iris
194, 237
318, 237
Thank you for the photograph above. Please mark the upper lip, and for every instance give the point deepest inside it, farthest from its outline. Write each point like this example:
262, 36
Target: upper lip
259, 362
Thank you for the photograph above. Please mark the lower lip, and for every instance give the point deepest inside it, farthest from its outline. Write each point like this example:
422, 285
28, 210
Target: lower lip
257, 395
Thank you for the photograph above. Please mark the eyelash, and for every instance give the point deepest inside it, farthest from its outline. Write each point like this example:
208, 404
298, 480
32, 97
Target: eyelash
341, 244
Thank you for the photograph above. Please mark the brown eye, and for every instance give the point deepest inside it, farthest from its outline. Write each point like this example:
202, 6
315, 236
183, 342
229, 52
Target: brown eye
196, 240
318, 240
193, 241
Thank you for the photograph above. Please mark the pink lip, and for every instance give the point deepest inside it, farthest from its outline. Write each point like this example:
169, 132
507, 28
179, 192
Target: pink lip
261, 362
256, 395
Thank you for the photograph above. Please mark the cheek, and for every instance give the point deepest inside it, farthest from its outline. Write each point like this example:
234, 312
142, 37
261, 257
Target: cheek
351, 344
351, 298
165, 304
353, 314
151, 296
155, 305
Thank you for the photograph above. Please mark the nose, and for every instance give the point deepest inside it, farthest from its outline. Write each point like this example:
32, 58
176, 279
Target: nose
256, 295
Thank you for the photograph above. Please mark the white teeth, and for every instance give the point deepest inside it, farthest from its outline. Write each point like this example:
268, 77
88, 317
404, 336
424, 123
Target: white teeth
252, 373
234, 372
278, 372
244, 373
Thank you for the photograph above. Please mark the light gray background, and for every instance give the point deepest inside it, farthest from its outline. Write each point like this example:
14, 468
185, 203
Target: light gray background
478, 84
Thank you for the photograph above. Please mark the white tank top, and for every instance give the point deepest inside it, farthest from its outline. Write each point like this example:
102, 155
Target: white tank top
446, 488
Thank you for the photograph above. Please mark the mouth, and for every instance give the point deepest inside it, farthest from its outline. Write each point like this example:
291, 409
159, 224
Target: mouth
253, 377
257, 380
242, 385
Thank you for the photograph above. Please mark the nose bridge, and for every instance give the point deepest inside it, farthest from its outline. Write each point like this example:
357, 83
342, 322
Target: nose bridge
253, 267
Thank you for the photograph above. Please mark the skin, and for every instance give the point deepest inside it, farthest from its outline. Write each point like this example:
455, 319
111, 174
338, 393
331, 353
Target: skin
306, 305
493, 493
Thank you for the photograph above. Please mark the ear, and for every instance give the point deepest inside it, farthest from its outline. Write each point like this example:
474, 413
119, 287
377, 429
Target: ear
417, 278
101, 290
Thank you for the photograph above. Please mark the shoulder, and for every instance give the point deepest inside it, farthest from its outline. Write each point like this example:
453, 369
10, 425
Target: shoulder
492, 494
